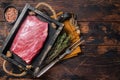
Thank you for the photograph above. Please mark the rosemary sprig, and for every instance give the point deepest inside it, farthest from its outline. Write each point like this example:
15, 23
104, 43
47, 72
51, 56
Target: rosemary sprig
60, 45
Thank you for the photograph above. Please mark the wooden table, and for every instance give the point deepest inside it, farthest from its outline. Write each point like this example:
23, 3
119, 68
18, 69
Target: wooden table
99, 59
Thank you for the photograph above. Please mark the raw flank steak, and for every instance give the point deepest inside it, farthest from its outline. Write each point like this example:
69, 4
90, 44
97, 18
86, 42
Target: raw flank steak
30, 38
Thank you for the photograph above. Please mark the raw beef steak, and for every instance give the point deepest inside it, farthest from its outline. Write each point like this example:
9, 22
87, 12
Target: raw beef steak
30, 38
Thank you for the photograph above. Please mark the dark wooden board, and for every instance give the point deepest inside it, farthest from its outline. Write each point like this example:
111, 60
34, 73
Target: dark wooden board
99, 59
85, 9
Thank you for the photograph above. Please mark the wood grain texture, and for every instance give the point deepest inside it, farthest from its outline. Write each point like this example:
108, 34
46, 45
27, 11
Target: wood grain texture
100, 57
84, 9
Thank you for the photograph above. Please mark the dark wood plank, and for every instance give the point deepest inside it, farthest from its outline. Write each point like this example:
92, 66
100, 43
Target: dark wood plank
99, 59
104, 35
84, 9
4, 31
83, 66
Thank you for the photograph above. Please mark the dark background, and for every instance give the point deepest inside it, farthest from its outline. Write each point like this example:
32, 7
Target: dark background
99, 59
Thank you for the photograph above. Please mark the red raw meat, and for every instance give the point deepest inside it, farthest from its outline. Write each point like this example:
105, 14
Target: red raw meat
30, 38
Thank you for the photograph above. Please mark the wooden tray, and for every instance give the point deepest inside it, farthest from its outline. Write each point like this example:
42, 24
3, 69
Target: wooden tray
52, 35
